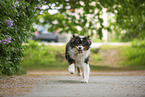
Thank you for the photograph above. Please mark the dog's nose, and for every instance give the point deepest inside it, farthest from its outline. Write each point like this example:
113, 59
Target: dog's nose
80, 48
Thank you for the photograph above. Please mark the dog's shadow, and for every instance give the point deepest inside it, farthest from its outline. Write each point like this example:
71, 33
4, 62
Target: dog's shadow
68, 81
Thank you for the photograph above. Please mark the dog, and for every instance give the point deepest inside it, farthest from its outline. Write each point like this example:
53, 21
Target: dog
77, 53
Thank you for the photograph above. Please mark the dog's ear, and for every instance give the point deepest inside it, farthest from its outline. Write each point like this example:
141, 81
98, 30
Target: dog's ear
73, 38
89, 40
74, 35
88, 37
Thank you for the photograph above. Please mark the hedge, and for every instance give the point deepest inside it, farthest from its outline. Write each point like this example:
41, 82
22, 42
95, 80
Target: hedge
16, 20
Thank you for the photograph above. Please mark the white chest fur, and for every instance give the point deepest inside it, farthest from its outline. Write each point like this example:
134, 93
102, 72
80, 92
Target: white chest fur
79, 58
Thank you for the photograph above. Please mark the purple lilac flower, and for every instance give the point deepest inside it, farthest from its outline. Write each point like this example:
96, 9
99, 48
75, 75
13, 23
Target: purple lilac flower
9, 38
16, 2
6, 41
8, 23
23, 7
39, 6
35, 7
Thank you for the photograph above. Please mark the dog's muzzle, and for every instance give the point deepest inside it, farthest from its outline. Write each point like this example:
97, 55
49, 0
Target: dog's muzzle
80, 49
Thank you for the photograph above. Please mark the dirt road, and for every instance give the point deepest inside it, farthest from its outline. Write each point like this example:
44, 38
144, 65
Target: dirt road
62, 84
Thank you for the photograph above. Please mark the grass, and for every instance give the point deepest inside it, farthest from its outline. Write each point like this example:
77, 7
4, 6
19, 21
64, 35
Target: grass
43, 57
97, 40
52, 57
134, 57
95, 57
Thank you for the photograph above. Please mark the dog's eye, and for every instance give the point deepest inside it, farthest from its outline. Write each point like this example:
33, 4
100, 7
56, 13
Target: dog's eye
83, 42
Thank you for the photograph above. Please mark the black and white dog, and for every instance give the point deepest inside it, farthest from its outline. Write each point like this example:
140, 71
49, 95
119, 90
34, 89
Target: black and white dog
77, 53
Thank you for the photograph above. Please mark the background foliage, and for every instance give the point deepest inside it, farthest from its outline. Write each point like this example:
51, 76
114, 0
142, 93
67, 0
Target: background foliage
129, 16
87, 15
16, 20
17, 16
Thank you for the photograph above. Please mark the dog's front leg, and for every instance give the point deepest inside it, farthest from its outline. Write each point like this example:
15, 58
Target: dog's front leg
79, 71
71, 68
86, 72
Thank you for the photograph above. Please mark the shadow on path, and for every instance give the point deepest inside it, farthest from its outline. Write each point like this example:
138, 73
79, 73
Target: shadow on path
68, 81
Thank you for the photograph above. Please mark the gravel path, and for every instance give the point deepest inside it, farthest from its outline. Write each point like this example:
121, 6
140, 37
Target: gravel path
62, 84
99, 86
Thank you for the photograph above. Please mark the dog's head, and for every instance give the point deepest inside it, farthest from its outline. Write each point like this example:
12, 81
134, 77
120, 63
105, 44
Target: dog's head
81, 43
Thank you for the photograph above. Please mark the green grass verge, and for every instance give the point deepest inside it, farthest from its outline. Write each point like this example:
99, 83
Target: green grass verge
135, 55
52, 57
132, 57
43, 57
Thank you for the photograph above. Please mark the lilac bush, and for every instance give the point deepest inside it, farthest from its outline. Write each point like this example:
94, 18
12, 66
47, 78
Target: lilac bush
16, 20
5, 41
8, 23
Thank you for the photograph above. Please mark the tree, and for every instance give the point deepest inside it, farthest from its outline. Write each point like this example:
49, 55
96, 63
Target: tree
129, 16
73, 14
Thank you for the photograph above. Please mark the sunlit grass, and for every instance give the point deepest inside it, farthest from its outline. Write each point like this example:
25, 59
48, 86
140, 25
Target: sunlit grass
134, 57
131, 56
52, 57
44, 57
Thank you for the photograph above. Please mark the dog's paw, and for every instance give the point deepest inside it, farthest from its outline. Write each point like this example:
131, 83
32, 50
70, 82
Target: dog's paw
71, 68
84, 81
79, 73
